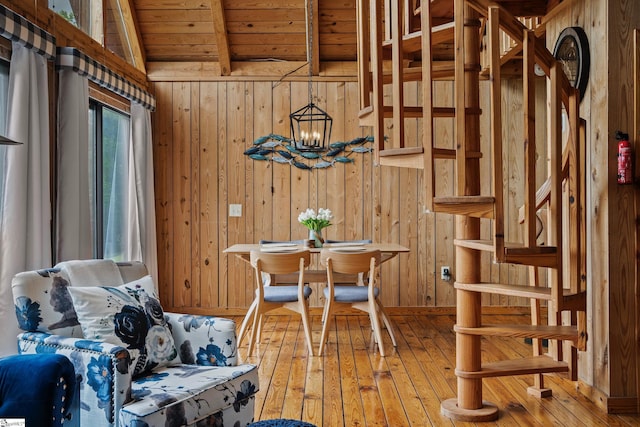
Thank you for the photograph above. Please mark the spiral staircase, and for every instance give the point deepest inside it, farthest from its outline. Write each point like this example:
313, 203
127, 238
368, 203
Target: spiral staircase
468, 41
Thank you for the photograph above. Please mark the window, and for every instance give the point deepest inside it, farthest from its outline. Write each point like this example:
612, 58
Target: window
103, 22
109, 147
4, 91
81, 14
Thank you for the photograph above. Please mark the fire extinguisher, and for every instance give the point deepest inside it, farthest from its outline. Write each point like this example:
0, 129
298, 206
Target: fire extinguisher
625, 159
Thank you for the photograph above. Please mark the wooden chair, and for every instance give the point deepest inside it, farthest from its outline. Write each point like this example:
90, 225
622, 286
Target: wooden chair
270, 296
359, 276
252, 307
363, 298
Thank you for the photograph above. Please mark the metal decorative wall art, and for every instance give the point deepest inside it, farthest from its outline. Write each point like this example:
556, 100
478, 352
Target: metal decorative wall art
280, 149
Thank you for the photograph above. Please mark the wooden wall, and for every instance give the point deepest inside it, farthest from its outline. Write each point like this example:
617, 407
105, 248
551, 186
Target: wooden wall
202, 128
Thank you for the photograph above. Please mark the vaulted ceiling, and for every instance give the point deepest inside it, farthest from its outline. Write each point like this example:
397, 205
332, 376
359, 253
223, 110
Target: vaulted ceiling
254, 30
228, 31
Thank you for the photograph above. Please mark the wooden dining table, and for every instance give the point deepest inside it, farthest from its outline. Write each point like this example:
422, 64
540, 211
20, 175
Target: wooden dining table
243, 251
388, 251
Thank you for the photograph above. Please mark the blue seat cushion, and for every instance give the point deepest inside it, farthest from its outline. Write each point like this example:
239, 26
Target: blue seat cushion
350, 293
284, 293
186, 394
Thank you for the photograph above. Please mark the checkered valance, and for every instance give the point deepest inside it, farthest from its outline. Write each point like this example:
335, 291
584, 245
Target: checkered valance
71, 58
17, 28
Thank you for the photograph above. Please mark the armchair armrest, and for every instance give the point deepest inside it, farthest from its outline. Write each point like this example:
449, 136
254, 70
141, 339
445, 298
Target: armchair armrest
42, 399
204, 340
105, 370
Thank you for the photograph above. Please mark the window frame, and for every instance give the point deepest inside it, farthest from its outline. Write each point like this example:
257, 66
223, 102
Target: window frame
99, 100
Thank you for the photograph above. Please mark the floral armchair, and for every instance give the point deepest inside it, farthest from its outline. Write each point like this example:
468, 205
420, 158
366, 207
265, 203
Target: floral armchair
138, 366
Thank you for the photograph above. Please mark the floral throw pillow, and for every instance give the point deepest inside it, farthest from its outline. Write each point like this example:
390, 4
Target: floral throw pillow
129, 315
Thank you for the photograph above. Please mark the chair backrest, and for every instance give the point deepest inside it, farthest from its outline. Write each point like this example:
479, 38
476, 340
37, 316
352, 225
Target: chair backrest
43, 302
267, 264
337, 261
280, 262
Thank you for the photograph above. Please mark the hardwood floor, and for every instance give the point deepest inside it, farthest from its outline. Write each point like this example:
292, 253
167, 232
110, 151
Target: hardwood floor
351, 385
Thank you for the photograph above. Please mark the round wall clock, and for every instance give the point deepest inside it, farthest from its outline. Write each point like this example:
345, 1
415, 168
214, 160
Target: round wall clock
572, 50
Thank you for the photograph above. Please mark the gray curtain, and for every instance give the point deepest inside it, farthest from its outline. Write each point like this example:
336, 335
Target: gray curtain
74, 229
25, 210
142, 243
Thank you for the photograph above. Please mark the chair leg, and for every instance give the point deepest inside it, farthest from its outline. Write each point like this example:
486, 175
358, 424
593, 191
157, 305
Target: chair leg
255, 328
245, 322
325, 327
387, 323
375, 323
304, 311
260, 324
324, 312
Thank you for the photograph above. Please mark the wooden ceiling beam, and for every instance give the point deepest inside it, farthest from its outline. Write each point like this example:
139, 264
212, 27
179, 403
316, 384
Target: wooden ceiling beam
222, 39
298, 71
313, 56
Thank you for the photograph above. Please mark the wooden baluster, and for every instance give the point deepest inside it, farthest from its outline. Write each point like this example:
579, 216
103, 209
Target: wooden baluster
496, 131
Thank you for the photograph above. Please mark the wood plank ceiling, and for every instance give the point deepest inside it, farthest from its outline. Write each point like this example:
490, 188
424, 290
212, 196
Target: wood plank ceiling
228, 31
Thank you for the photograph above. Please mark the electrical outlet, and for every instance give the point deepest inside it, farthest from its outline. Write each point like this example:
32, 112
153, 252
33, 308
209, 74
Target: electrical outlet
445, 273
235, 210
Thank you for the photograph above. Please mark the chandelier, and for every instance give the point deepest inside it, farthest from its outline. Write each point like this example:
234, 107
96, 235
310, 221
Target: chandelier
310, 125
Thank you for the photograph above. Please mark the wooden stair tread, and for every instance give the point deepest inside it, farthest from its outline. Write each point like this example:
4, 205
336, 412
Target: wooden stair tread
411, 157
401, 151
474, 206
365, 111
406, 157
438, 153
411, 112
412, 42
536, 292
366, 116
576, 300
458, 200
523, 366
481, 245
539, 256
559, 332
